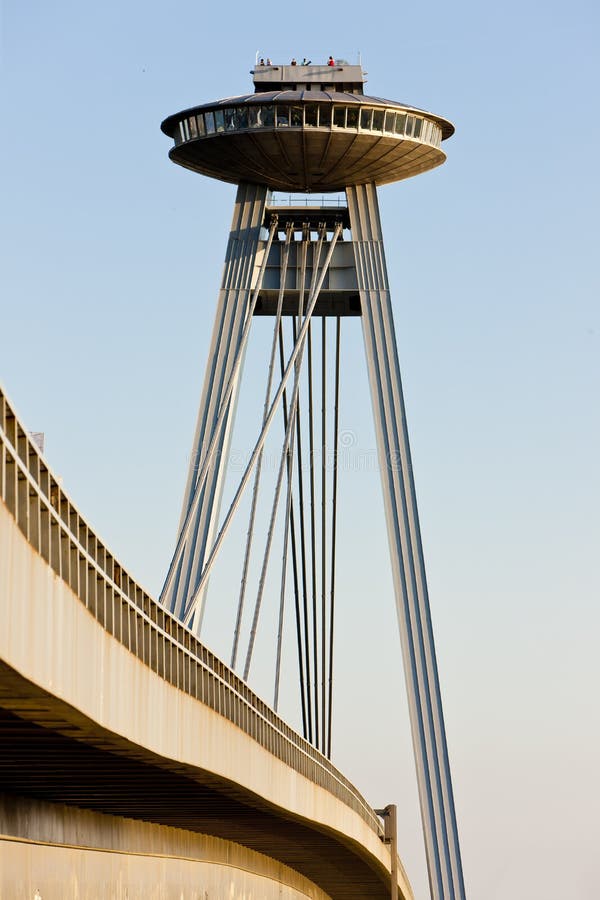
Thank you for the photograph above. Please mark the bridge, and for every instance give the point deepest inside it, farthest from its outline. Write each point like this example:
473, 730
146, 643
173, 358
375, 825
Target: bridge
134, 763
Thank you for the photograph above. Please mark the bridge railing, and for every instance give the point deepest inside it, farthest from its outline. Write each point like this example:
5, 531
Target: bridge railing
53, 526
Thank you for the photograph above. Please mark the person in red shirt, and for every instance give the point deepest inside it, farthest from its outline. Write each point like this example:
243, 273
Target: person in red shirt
331, 61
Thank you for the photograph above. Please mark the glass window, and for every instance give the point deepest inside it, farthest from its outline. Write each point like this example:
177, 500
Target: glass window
296, 116
410, 124
254, 116
181, 134
377, 120
418, 127
310, 115
209, 121
365, 118
242, 116
268, 116
192, 127
325, 116
201, 129
219, 120
352, 117
230, 119
339, 116
282, 114
389, 120
400, 123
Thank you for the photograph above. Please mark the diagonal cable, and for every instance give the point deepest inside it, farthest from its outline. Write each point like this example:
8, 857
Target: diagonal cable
289, 233
260, 442
206, 462
286, 444
293, 543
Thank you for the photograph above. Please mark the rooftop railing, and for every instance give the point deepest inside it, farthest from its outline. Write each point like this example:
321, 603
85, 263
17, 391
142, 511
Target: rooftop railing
56, 530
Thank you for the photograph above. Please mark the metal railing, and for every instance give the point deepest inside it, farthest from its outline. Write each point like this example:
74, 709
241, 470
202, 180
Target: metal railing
55, 529
329, 201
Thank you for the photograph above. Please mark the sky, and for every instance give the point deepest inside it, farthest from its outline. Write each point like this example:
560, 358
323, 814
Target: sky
111, 262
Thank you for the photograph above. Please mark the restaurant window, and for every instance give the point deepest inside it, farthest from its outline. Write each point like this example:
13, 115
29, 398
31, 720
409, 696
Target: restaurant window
377, 120
310, 115
352, 117
209, 121
296, 116
389, 120
282, 114
242, 116
365, 118
418, 127
339, 116
219, 120
325, 116
400, 123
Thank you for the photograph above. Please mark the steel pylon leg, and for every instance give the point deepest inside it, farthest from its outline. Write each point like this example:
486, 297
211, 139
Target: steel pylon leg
412, 602
199, 514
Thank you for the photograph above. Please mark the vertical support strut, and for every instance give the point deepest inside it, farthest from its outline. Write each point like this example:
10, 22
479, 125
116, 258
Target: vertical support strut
205, 475
412, 601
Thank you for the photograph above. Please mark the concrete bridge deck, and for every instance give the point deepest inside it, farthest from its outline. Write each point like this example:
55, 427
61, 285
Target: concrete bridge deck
125, 740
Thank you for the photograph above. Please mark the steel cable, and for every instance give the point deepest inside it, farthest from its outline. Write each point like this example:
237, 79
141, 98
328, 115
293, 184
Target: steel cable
261, 439
276, 329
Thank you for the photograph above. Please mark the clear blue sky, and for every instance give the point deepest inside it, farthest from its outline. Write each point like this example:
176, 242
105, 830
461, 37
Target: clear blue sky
111, 263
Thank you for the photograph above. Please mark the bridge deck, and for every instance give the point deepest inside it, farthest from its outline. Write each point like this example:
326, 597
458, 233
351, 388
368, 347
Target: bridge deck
110, 704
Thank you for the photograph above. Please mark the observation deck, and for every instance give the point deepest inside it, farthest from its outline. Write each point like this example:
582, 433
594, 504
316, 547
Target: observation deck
307, 128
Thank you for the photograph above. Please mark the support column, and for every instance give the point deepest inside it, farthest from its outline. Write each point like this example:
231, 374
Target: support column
408, 568
239, 275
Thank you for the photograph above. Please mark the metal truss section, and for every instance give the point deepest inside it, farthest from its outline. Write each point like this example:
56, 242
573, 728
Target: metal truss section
408, 568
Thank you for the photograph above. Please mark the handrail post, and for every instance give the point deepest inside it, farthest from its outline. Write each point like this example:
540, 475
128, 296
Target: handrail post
390, 836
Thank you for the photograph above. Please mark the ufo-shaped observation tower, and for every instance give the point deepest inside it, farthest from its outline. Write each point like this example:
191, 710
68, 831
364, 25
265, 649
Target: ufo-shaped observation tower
307, 128
312, 130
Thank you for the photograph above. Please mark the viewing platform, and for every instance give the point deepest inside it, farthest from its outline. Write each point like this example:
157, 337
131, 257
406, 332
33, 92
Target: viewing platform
307, 128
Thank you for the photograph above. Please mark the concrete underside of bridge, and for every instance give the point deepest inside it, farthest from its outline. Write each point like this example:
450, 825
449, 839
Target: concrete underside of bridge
101, 758
71, 852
